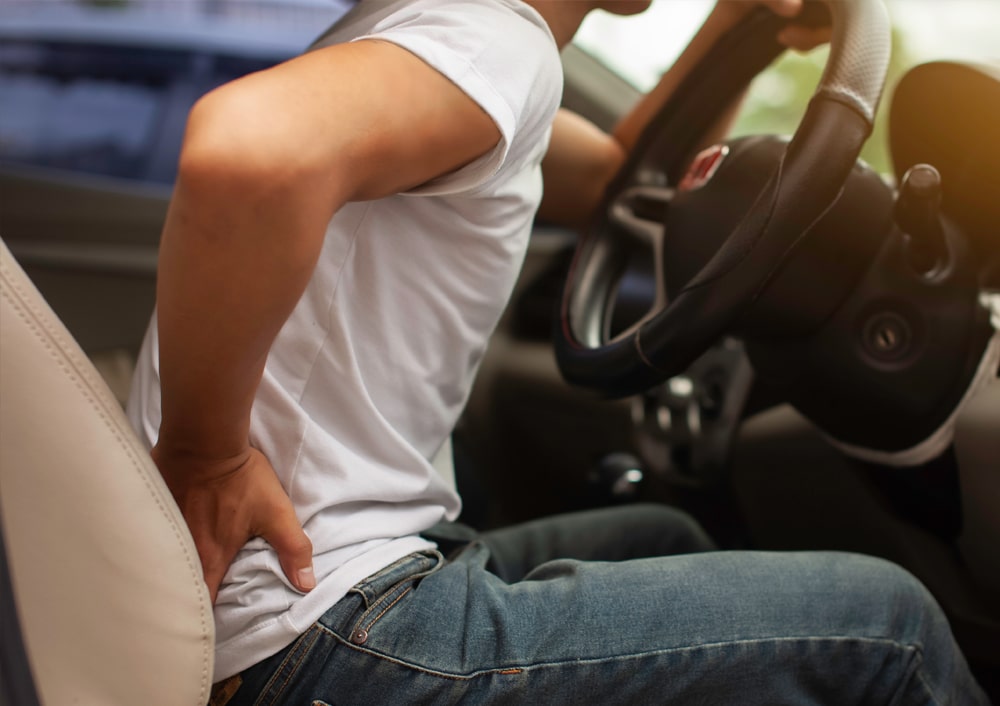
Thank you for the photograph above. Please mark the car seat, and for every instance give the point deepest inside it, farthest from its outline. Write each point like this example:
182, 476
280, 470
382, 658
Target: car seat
104, 575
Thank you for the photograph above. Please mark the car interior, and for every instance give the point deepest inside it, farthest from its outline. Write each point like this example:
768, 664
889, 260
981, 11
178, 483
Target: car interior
798, 350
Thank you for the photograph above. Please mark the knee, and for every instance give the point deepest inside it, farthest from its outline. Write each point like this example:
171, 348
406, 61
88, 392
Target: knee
892, 581
665, 515
911, 599
898, 600
673, 526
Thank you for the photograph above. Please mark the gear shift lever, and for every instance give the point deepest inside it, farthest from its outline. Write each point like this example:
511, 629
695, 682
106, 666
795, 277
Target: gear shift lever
918, 214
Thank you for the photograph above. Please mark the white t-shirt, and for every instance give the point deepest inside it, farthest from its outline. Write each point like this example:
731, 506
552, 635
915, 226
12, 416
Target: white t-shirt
369, 374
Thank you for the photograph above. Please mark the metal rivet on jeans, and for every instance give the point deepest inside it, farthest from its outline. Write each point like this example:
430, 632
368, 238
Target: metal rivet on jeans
359, 636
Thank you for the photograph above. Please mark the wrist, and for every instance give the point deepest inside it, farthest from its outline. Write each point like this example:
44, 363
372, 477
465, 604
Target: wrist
191, 427
198, 462
726, 14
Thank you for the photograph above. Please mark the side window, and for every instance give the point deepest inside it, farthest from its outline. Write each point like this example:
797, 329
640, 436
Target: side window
640, 48
83, 108
116, 111
104, 88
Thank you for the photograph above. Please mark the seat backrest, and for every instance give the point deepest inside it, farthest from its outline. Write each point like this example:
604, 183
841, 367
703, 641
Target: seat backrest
105, 575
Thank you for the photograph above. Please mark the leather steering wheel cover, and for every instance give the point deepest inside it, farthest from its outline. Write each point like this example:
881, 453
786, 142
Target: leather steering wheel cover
805, 185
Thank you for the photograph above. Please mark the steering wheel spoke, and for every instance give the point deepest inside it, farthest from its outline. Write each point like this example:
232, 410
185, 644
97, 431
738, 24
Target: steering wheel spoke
640, 212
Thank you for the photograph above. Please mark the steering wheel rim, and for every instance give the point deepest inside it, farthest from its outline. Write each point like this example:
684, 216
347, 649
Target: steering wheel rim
805, 184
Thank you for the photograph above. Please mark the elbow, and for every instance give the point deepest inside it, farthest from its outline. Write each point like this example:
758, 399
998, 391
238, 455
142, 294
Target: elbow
229, 148
576, 181
241, 182
603, 171
612, 161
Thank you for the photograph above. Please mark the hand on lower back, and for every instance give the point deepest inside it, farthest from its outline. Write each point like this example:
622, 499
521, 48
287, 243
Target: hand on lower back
226, 503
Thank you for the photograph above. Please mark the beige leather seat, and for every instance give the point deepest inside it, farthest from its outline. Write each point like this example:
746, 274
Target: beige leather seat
105, 576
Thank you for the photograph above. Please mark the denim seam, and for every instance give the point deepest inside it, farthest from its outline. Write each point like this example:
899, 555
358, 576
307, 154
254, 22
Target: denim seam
388, 595
365, 587
295, 657
417, 668
388, 607
519, 669
357, 591
919, 656
392, 595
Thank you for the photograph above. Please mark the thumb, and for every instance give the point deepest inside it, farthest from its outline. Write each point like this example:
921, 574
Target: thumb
289, 540
784, 8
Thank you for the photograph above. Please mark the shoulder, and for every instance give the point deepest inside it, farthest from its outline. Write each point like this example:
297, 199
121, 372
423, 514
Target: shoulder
500, 52
469, 26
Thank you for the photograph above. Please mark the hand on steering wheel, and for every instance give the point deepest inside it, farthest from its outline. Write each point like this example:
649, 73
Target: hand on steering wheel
800, 37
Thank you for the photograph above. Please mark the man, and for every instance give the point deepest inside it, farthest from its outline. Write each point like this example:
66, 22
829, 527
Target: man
345, 231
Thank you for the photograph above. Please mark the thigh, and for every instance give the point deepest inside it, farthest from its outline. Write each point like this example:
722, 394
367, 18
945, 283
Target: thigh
709, 628
609, 534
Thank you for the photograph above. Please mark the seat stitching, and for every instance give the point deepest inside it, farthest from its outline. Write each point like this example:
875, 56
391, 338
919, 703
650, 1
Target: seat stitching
69, 363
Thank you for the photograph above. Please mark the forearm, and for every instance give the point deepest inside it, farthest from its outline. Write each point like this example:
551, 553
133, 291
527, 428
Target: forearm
628, 130
580, 162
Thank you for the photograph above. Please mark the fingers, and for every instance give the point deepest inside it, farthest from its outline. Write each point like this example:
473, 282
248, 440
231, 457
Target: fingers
214, 568
273, 519
280, 527
796, 36
223, 510
784, 8
285, 534
801, 38
217, 547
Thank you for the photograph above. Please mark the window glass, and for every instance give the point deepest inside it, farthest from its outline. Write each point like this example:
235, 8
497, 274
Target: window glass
108, 110
639, 48
104, 87
91, 109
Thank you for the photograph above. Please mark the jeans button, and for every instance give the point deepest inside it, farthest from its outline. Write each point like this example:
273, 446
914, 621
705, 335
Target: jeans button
359, 636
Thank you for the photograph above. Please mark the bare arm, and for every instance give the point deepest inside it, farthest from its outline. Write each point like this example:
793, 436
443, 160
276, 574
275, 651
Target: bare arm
582, 159
267, 160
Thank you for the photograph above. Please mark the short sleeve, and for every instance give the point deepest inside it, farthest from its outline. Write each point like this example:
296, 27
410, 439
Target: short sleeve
499, 53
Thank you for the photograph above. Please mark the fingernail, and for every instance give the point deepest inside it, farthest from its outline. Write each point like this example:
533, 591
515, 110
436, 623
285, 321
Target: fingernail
306, 579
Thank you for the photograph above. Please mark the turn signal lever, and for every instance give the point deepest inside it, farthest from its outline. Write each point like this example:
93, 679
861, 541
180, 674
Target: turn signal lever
918, 214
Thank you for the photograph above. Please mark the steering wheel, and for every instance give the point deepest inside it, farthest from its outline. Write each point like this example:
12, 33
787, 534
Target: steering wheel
805, 184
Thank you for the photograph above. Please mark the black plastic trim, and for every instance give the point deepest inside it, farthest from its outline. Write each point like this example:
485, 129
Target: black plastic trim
17, 686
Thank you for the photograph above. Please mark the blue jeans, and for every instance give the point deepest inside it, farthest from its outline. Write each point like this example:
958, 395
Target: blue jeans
591, 609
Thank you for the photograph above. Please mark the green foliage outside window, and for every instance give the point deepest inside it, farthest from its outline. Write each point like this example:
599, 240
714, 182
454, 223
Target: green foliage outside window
778, 98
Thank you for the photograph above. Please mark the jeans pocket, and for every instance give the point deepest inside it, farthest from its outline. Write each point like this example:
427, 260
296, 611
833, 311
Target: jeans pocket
381, 606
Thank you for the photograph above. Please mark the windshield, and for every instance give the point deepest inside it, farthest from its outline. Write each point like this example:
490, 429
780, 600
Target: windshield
640, 48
